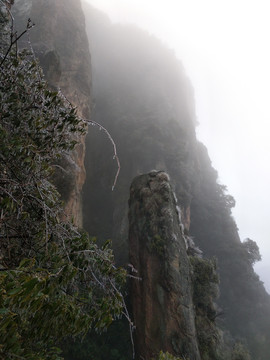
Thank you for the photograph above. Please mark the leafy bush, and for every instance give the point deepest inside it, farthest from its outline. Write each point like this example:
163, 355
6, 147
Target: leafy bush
167, 356
240, 352
252, 251
205, 290
54, 280
205, 282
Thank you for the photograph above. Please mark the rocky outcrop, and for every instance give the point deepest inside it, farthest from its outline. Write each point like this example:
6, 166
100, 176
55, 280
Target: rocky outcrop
162, 299
145, 100
60, 42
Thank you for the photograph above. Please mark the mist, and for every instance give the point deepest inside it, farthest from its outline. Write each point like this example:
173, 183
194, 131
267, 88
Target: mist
163, 273
223, 48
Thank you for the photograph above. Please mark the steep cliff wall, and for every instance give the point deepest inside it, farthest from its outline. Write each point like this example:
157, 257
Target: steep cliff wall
162, 300
60, 42
245, 303
144, 98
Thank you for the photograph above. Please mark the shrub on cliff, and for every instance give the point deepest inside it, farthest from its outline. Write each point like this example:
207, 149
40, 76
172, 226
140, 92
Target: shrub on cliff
167, 356
252, 251
205, 291
54, 280
240, 352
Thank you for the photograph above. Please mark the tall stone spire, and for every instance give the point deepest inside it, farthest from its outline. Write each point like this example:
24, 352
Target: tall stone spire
162, 299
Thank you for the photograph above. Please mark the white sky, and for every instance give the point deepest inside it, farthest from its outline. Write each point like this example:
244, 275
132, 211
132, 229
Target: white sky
225, 48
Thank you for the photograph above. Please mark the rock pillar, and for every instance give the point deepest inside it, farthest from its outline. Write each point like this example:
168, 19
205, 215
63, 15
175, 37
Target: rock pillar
162, 300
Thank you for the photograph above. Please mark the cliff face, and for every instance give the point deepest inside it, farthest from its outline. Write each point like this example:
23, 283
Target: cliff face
143, 97
60, 42
245, 302
162, 300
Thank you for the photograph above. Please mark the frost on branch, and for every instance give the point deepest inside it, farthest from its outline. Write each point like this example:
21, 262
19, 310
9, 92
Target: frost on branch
54, 280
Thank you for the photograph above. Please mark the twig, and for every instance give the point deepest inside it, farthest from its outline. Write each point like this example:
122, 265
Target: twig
115, 156
17, 38
126, 314
96, 124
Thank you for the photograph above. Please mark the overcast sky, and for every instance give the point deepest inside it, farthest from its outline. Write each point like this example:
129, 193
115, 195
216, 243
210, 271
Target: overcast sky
225, 49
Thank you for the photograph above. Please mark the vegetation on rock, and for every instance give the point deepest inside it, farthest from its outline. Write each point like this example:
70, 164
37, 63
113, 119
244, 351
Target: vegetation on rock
145, 99
240, 352
167, 356
205, 292
244, 302
55, 281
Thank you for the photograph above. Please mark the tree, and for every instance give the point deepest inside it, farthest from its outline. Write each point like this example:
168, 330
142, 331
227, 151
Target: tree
240, 352
54, 280
253, 251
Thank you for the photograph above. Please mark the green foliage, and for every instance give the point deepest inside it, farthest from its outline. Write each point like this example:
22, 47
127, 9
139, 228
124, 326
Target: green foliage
64, 176
4, 23
41, 305
205, 290
252, 250
167, 356
54, 280
114, 344
245, 303
240, 352
157, 245
205, 283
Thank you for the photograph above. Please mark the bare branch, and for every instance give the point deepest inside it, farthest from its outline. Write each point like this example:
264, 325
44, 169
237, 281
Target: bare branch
17, 38
115, 156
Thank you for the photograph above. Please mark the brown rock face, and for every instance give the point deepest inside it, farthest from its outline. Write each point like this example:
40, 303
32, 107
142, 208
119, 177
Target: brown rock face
60, 42
161, 301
